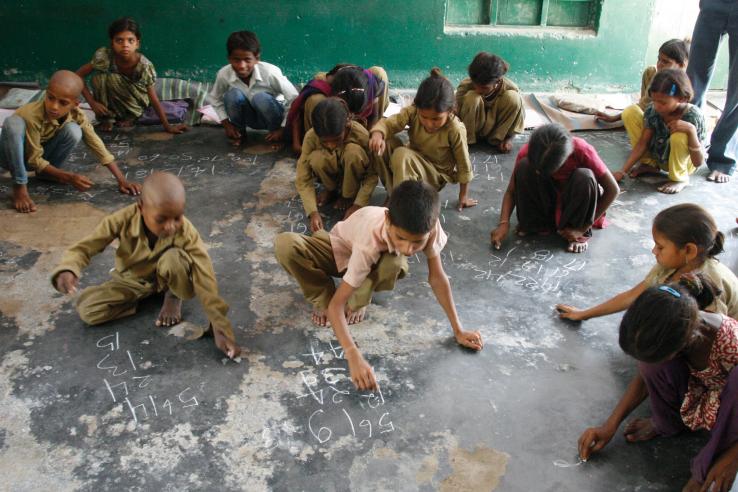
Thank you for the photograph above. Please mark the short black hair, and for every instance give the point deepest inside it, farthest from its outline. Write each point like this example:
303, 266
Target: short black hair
486, 68
672, 82
549, 147
414, 206
350, 83
243, 40
330, 117
677, 50
435, 93
124, 24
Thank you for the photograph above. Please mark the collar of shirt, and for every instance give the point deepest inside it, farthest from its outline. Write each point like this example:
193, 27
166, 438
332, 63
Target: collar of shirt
255, 76
138, 230
384, 233
55, 122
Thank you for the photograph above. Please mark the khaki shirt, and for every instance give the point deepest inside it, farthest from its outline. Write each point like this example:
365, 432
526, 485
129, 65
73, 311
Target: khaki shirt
466, 85
40, 130
135, 260
304, 180
446, 148
648, 75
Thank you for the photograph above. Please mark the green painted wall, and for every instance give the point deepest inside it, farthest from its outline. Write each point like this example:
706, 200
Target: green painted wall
186, 38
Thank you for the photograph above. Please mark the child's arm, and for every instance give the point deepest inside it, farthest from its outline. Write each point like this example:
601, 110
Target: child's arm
364, 195
305, 183
442, 290
694, 144
376, 114
457, 141
99, 108
362, 374
96, 145
387, 127
295, 131
281, 85
635, 154
176, 129
596, 438
616, 304
508, 205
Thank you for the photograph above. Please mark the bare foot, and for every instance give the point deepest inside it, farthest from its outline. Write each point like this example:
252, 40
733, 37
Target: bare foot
353, 317
718, 177
638, 430
171, 311
22, 200
343, 203
671, 187
577, 247
125, 124
320, 318
506, 145
105, 126
325, 196
642, 169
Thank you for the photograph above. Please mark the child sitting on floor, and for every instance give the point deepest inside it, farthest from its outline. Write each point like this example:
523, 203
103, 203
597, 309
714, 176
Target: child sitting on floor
556, 187
673, 132
159, 250
335, 151
687, 362
123, 80
249, 92
40, 136
437, 153
489, 104
369, 250
686, 239
366, 92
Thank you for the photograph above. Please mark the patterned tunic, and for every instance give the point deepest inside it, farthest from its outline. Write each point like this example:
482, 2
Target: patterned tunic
127, 97
659, 147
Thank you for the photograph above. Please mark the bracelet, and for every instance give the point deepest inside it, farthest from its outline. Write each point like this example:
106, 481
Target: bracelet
503, 222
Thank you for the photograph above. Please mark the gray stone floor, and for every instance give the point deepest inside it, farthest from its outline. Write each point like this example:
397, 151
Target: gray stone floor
285, 418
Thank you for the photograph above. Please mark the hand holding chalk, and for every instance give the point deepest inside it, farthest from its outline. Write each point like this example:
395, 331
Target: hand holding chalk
66, 282
499, 234
377, 143
593, 440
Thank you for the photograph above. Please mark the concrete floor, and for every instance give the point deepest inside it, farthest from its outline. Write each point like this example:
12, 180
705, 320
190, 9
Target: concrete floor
285, 418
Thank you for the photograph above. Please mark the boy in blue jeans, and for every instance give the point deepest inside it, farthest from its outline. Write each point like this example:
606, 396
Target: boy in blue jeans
40, 136
250, 92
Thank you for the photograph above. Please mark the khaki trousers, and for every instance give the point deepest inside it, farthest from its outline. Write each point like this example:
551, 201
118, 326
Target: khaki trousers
503, 118
342, 170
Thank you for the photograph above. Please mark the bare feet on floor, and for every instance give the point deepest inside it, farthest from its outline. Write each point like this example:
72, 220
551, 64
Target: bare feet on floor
105, 126
343, 203
643, 169
171, 311
325, 196
671, 187
506, 145
320, 318
22, 200
718, 177
640, 430
353, 317
125, 124
577, 247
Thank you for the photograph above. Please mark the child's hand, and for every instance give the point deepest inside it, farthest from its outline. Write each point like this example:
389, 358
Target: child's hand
499, 234
722, 473
465, 202
66, 282
176, 129
571, 234
232, 133
593, 440
129, 188
99, 109
82, 183
470, 339
680, 126
275, 135
377, 143
362, 374
618, 175
226, 345
297, 148
608, 118
570, 312
316, 222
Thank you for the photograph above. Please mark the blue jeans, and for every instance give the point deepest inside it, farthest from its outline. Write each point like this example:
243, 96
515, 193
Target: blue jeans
262, 112
717, 18
12, 147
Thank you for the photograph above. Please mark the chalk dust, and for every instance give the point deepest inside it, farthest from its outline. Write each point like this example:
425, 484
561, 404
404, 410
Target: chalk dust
217, 227
480, 469
153, 137
279, 184
159, 453
292, 364
187, 330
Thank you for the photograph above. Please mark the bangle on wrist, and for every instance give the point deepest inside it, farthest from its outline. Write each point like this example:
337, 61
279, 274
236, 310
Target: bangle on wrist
506, 221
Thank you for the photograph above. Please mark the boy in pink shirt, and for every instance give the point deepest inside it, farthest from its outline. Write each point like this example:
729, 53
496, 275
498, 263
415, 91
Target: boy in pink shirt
369, 250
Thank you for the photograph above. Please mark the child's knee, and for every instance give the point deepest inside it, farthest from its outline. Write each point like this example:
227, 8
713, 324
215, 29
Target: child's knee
583, 175
632, 113
679, 140
512, 99
284, 246
174, 263
263, 101
90, 308
355, 156
71, 132
14, 127
234, 96
400, 158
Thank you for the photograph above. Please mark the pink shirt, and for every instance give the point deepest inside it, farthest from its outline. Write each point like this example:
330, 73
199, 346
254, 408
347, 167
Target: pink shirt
359, 241
583, 155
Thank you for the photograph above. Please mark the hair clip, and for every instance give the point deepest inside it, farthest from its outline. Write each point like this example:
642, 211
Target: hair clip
673, 90
670, 290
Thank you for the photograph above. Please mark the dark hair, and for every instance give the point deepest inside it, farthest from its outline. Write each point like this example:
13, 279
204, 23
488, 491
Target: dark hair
414, 207
124, 24
549, 147
330, 117
243, 40
672, 82
350, 83
486, 68
677, 50
689, 223
435, 93
660, 321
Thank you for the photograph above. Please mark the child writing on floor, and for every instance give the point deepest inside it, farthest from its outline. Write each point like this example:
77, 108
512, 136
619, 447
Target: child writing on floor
159, 250
40, 136
673, 132
490, 104
366, 92
250, 92
123, 80
335, 151
686, 239
687, 362
555, 187
437, 153
369, 251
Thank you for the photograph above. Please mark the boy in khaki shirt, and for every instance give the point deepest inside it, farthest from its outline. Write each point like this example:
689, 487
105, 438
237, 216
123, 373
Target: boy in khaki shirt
159, 251
40, 136
369, 251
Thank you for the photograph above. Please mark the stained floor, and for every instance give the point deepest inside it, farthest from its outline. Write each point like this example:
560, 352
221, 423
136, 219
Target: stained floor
127, 406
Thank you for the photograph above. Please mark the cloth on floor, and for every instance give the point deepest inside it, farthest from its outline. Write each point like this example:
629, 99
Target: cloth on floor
542, 109
17, 97
170, 89
176, 112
